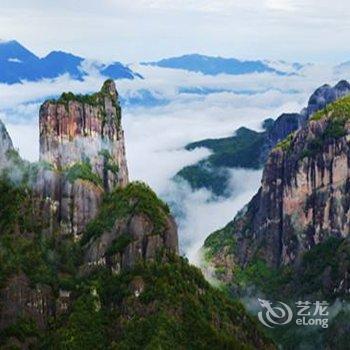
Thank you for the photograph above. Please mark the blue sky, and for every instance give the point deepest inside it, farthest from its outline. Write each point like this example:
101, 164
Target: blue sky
130, 31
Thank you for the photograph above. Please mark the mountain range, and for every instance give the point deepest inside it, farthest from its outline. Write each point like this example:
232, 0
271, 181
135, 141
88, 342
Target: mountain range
209, 65
18, 64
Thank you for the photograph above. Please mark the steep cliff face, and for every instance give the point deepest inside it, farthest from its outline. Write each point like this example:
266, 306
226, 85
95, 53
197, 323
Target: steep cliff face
139, 228
5, 146
303, 201
82, 144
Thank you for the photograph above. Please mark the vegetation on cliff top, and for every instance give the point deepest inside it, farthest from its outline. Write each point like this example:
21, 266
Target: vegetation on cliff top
135, 198
338, 110
337, 114
286, 144
96, 100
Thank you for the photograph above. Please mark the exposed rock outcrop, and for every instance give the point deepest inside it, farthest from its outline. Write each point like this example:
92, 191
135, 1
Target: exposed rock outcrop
303, 199
144, 245
82, 146
325, 95
142, 232
289, 122
20, 299
79, 128
5, 146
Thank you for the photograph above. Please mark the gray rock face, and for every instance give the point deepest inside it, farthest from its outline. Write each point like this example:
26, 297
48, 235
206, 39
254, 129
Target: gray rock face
289, 122
71, 205
19, 299
5, 145
303, 199
132, 240
325, 95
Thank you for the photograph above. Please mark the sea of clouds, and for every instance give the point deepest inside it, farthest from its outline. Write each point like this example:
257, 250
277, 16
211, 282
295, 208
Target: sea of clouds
156, 134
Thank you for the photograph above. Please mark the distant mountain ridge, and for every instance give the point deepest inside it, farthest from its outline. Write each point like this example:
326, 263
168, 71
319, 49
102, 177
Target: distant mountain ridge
17, 63
210, 65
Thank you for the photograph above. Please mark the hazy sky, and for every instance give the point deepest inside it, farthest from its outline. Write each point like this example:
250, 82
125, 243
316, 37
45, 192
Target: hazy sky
133, 30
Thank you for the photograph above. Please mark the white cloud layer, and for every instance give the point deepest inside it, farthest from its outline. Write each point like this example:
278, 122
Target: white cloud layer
202, 216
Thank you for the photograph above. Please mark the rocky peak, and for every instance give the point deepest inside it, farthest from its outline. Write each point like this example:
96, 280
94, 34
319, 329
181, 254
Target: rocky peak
82, 145
289, 122
77, 128
110, 90
325, 95
343, 85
